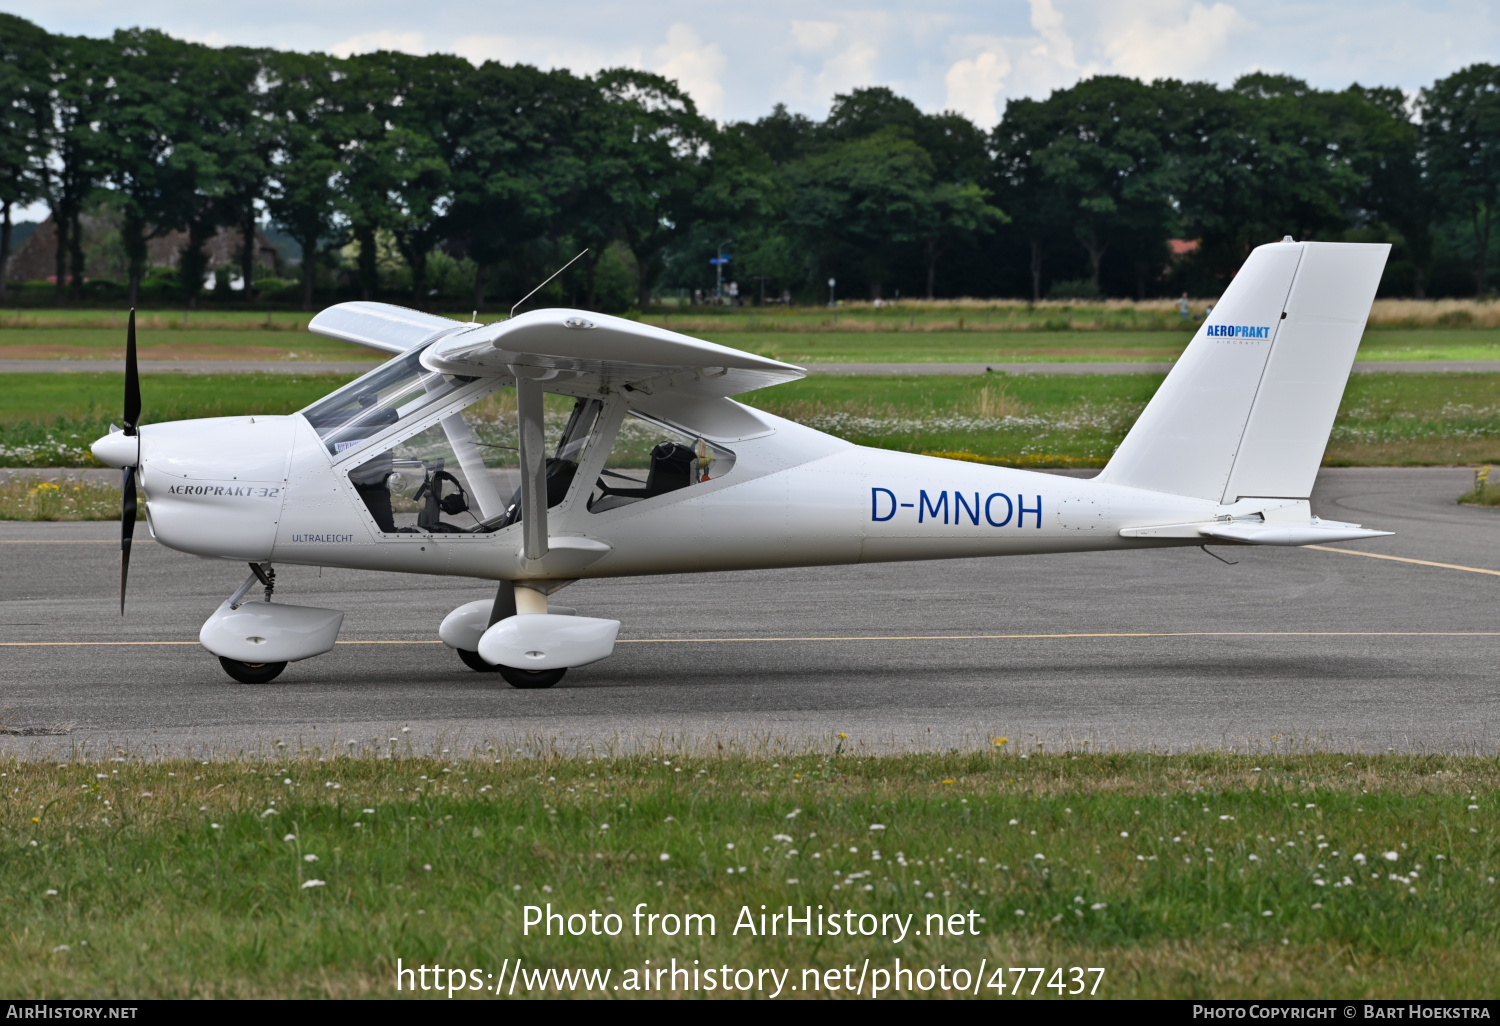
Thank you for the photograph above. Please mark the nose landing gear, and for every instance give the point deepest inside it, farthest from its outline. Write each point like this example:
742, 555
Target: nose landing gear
255, 640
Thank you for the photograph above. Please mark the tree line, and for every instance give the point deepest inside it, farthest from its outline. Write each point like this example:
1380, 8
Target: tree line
513, 169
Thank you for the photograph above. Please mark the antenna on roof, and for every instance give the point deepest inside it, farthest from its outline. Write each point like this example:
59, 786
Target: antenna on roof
543, 285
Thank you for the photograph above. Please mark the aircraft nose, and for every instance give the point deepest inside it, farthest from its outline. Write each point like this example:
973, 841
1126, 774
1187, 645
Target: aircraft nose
117, 449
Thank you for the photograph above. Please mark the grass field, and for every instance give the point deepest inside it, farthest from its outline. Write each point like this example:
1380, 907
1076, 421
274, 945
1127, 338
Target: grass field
195, 343
1017, 420
1209, 875
792, 346
1078, 420
49, 420
26, 498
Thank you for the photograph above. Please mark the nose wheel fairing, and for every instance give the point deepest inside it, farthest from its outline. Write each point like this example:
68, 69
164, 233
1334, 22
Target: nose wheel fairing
262, 632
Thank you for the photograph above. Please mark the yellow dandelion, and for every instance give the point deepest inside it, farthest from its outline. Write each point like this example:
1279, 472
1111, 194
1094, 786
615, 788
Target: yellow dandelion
999, 740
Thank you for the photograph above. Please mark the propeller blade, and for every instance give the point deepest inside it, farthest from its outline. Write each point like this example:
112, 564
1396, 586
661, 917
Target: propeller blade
132, 380
127, 528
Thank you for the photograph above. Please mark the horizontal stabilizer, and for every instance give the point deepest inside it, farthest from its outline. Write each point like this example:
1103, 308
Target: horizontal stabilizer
1259, 532
382, 326
1316, 533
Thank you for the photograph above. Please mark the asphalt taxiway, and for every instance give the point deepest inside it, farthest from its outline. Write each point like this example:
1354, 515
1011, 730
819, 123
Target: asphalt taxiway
1167, 649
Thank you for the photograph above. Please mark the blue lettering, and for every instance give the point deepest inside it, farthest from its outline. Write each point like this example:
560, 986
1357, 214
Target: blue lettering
1021, 511
1238, 331
1010, 510
924, 506
960, 504
875, 504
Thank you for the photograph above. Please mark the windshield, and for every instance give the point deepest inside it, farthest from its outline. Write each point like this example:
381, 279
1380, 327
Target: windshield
364, 408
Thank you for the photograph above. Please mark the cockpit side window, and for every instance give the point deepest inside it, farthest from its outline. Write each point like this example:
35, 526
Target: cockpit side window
462, 474
386, 396
650, 458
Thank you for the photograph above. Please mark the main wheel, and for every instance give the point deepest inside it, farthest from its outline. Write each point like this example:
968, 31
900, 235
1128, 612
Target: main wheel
473, 661
251, 673
531, 678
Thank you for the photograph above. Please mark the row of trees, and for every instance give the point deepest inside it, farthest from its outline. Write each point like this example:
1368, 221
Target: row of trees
512, 167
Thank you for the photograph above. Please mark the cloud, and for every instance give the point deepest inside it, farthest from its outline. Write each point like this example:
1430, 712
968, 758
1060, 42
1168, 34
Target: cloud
996, 67
852, 50
1055, 45
1161, 39
973, 86
854, 66
696, 66
385, 39
1074, 39
815, 35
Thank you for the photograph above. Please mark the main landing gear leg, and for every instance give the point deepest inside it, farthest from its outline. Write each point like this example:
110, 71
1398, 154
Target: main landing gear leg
508, 602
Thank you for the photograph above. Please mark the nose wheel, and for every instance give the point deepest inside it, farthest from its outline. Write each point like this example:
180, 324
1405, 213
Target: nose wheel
251, 673
524, 679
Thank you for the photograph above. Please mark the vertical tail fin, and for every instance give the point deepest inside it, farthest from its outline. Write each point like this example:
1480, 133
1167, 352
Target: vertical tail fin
1248, 408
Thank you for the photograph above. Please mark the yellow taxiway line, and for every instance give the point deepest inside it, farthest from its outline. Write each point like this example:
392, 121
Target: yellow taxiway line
1405, 559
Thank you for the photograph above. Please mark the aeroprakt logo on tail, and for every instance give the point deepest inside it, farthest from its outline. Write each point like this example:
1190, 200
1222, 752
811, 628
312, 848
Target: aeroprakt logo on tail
1239, 331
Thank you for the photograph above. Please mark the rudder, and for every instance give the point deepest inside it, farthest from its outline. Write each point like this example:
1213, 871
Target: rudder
1248, 408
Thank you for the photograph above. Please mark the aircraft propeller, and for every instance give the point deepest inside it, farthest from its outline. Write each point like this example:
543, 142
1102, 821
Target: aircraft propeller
132, 429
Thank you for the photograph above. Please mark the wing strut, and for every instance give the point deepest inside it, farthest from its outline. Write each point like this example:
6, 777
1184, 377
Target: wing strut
533, 464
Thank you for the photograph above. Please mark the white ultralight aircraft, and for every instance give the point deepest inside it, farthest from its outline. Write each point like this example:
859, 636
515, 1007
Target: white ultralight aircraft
560, 445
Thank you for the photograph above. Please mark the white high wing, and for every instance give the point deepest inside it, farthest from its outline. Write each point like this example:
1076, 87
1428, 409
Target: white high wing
561, 445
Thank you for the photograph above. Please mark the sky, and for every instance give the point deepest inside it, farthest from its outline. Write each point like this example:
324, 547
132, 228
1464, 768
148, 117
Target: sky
971, 56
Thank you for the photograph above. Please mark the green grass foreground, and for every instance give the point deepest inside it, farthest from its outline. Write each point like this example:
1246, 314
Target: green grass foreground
1206, 875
